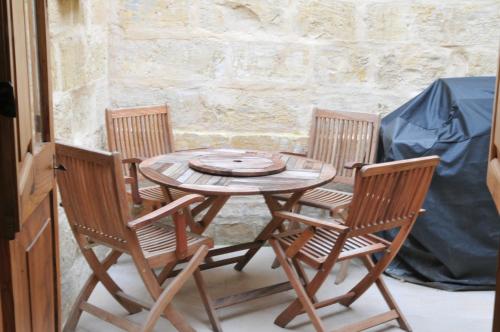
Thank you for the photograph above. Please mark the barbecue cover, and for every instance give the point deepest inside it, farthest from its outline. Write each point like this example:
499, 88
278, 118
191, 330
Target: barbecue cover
454, 244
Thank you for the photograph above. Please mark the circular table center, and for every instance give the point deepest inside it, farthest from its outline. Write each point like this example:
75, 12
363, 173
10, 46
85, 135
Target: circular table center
239, 163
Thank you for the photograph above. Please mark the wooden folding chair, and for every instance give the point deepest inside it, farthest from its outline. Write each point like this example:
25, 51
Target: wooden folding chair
339, 138
93, 195
139, 133
386, 196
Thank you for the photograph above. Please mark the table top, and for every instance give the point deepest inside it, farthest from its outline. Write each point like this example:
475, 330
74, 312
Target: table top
173, 170
239, 163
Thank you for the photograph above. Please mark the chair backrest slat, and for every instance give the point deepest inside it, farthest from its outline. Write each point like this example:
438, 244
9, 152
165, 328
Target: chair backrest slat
387, 195
93, 194
142, 132
341, 137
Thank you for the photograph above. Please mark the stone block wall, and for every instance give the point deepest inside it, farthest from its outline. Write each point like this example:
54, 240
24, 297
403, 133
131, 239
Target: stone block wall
247, 73
79, 51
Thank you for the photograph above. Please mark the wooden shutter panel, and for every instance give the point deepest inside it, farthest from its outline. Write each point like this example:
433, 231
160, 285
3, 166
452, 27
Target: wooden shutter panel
493, 181
493, 178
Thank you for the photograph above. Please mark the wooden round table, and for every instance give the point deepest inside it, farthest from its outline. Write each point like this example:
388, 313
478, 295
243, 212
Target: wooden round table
219, 174
173, 170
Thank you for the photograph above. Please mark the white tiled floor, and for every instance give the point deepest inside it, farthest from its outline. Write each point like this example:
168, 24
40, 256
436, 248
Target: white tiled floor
426, 309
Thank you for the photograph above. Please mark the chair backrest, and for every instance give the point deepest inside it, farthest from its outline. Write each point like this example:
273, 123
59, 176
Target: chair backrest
93, 194
140, 132
341, 137
389, 195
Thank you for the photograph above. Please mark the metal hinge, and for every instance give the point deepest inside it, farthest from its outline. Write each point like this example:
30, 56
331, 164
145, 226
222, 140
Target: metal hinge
7, 100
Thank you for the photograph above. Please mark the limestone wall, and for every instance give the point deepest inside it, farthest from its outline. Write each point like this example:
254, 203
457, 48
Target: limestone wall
247, 73
79, 49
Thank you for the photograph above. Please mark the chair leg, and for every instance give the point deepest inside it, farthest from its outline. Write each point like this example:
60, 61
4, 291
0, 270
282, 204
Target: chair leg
207, 301
107, 281
341, 212
389, 299
87, 289
164, 297
342, 274
295, 307
291, 225
165, 272
303, 276
273, 205
312, 287
303, 296
377, 269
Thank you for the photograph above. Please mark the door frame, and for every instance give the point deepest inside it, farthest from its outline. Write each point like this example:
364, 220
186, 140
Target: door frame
492, 186
11, 213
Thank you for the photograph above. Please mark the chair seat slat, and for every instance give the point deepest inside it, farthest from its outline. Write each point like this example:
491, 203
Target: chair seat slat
321, 244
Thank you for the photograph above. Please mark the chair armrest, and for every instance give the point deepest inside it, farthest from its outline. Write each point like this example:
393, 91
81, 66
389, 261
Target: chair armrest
339, 208
134, 160
165, 211
129, 180
354, 165
294, 154
311, 221
133, 178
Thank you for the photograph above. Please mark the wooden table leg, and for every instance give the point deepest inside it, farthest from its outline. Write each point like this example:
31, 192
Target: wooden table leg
212, 205
273, 206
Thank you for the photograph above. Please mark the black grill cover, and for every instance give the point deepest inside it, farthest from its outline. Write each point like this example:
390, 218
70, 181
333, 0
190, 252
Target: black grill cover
454, 244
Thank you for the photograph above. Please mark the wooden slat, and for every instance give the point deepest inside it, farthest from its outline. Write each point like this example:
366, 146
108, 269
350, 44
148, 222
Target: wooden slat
212, 264
323, 198
140, 132
251, 295
341, 137
132, 299
390, 194
318, 247
233, 248
22, 78
326, 303
118, 321
370, 322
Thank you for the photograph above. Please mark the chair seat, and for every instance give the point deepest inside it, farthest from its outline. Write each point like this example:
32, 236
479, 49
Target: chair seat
322, 198
156, 194
158, 243
317, 249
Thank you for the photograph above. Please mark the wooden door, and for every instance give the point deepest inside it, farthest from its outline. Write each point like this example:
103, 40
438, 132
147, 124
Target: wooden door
29, 278
493, 181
